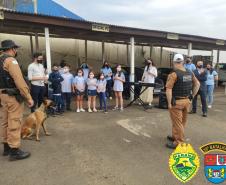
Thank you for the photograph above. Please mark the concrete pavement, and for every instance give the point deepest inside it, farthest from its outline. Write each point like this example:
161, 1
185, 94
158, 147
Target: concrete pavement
125, 148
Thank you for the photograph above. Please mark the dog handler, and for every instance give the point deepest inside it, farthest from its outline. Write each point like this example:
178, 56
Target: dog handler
181, 87
13, 90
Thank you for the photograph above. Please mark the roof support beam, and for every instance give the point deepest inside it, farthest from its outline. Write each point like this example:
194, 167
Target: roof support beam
132, 64
103, 52
32, 47
36, 42
161, 52
48, 52
189, 48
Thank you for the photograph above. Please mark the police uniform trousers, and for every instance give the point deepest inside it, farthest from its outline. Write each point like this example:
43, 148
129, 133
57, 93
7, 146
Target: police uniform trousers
178, 115
11, 120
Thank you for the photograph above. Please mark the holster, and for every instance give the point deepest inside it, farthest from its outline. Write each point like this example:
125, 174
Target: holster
14, 92
190, 97
173, 101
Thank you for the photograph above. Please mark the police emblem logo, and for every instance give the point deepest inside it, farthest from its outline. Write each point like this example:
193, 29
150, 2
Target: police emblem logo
214, 164
187, 78
184, 162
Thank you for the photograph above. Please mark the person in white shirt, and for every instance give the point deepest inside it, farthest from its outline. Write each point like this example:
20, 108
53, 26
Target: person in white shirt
149, 75
38, 78
67, 86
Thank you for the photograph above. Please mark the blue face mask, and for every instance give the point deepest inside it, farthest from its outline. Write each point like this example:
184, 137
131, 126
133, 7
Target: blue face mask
84, 65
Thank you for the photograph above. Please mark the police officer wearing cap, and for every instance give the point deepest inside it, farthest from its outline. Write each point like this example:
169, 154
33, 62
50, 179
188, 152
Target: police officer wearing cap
181, 86
13, 92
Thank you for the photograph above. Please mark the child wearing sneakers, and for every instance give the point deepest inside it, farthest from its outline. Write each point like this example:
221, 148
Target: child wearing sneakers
101, 89
79, 85
119, 79
92, 91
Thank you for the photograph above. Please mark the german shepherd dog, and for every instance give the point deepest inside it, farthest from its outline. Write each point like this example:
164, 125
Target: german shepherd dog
35, 121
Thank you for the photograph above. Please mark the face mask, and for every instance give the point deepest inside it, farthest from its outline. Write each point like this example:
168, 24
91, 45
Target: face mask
188, 61
40, 61
91, 76
15, 53
149, 62
84, 66
106, 65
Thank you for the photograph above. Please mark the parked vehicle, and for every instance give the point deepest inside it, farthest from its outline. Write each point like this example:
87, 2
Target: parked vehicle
163, 73
221, 72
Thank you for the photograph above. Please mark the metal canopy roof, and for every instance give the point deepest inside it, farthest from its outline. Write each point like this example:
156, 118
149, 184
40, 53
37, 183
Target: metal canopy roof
45, 7
29, 24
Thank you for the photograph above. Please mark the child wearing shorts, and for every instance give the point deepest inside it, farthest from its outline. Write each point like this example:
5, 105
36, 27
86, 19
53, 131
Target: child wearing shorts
119, 79
92, 91
79, 89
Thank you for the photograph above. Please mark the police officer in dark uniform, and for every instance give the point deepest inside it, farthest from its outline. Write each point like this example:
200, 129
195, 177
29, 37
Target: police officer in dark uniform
13, 92
181, 86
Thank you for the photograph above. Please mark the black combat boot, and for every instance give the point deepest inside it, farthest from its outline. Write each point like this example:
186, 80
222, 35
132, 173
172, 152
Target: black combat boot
6, 149
18, 154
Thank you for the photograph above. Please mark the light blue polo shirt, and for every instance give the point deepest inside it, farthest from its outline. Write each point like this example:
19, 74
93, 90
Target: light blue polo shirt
92, 83
66, 84
80, 83
106, 71
210, 77
191, 67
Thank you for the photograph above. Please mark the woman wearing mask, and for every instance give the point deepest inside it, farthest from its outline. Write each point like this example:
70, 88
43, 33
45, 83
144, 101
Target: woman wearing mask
106, 70
212, 76
200, 74
149, 75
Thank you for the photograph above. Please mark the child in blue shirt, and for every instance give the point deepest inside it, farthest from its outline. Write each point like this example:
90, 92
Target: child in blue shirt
101, 89
119, 79
79, 89
92, 91
108, 76
67, 86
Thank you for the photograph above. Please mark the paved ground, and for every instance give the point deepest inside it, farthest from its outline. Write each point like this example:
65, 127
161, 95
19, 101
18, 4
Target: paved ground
115, 149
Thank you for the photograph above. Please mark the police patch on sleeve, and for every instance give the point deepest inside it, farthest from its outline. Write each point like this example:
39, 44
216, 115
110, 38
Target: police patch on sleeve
14, 62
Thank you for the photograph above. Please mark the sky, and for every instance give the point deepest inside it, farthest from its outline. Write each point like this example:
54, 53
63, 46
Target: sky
197, 17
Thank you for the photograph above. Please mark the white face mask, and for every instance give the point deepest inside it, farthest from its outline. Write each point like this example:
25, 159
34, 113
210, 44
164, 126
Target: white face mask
149, 62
